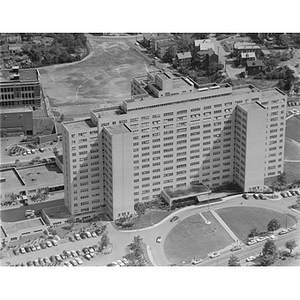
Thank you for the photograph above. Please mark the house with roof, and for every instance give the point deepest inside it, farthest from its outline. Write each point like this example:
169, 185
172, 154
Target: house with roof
155, 39
207, 57
204, 44
254, 67
183, 59
244, 57
162, 47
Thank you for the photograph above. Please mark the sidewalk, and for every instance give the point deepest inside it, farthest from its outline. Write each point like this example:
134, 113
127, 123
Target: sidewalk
235, 238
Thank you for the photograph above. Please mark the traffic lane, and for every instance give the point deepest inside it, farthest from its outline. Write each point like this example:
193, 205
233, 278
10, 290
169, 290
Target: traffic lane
18, 214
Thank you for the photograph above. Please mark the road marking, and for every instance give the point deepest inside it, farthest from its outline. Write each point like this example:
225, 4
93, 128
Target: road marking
52, 78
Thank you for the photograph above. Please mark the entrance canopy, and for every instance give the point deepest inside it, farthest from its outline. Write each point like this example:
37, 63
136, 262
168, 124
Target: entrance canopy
184, 193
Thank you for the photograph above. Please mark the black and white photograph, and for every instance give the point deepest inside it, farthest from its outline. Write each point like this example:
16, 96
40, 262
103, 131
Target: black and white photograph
154, 147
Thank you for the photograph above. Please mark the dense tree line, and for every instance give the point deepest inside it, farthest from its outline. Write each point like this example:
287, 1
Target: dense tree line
66, 47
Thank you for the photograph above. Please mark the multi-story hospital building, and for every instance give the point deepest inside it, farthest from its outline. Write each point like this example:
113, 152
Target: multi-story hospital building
170, 134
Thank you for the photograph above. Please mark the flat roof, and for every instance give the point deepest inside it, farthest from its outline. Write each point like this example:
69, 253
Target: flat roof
13, 227
181, 55
187, 191
49, 174
25, 75
11, 180
79, 125
117, 129
248, 54
255, 63
272, 92
252, 106
15, 110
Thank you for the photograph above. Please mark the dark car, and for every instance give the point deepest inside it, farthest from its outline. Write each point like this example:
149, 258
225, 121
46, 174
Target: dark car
245, 196
16, 252
83, 235
98, 232
27, 249
29, 263
85, 250
175, 218
52, 259
43, 245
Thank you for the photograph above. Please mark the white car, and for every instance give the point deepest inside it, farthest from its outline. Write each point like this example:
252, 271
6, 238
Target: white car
289, 193
79, 261
251, 242
214, 254
283, 231
74, 253
74, 262
197, 261
120, 263
77, 236
261, 238
250, 258
271, 237
94, 234
88, 234
49, 244
67, 264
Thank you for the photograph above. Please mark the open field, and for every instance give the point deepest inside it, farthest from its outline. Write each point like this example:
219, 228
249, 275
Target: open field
292, 170
293, 129
103, 77
193, 238
242, 219
291, 150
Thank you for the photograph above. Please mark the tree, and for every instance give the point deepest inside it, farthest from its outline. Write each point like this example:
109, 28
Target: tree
233, 261
55, 151
282, 178
104, 240
170, 54
291, 245
273, 225
253, 232
269, 253
17, 163
62, 118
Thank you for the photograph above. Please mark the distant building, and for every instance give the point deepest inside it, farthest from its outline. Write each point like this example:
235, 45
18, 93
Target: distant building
254, 67
162, 47
207, 57
16, 121
159, 37
244, 57
20, 88
182, 60
204, 44
265, 52
245, 47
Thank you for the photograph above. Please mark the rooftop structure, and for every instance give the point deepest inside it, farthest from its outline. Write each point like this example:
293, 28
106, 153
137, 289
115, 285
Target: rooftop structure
16, 74
183, 55
75, 126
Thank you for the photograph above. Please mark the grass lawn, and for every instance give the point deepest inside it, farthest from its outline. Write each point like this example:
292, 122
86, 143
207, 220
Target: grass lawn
193, 238
291, 150
150, 219
242, 219
292, 128
292, 170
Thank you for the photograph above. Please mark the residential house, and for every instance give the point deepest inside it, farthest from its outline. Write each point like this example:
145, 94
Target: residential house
254, 67
163, 45
182, 60
207, 57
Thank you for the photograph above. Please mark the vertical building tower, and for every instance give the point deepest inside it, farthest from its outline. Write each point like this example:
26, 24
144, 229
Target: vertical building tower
170, 134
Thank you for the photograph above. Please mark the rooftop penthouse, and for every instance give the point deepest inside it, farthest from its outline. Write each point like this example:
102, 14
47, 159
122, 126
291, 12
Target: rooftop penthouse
14, 74
76, 126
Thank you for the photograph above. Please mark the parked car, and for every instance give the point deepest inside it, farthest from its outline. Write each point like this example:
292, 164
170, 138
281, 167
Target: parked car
83, 235
125, 261
293, 193
85, 250
74, 253
29, 263
297, 192
120, 263
58, 258
33, 248
158, 239
43, 245
28, 249
283, 231
87, 256
41, 149
271, 237
79, 252
16, 251
214, 254
67, 264
74, 262
79, 261
71, 239
255, 196
67, 253
292, 228
245, 196
98, 232
47, 260
235, 248
112, 264
52, 259
36, 263
22, 250
251, 242
77, 236
38, 247
94, 234
32, 151
197, 261
88, 234
54, 242
283, 194
289, 194
261, 238
91, 249
49, 244
250, 258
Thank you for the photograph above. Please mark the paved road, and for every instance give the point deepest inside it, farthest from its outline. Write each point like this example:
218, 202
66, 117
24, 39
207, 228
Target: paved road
18, 214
